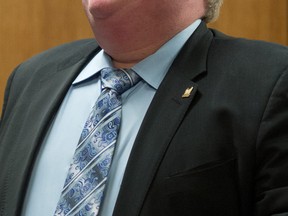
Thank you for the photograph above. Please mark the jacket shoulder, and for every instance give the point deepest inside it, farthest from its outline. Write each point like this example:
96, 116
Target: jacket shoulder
65, 51
63, 55
243, 52
248, 47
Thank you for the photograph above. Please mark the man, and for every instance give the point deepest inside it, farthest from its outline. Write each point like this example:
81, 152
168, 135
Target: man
204, 132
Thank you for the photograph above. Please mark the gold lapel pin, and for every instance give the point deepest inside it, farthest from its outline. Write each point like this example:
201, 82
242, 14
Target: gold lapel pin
187, 92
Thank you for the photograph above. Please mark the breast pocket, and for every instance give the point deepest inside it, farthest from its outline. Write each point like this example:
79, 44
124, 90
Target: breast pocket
210, 189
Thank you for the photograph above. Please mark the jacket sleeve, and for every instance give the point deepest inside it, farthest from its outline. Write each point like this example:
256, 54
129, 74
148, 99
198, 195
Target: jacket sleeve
271, 177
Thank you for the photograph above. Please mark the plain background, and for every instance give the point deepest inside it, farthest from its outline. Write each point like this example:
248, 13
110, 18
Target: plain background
28, 27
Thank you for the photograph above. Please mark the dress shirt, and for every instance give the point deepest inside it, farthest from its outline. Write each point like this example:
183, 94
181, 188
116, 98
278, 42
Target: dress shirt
58, 147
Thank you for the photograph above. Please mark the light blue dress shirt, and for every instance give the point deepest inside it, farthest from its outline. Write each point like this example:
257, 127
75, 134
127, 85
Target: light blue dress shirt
58, 147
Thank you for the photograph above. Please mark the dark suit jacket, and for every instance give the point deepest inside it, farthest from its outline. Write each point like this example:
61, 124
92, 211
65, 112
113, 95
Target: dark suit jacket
221, 151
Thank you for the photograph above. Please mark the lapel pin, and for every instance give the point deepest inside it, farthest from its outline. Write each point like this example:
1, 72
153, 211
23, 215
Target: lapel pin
187, 92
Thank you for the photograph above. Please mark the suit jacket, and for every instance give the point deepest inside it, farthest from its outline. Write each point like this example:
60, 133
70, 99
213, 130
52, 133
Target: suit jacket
221, 151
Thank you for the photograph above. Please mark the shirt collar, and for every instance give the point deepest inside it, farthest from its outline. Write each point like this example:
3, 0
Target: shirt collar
100, 61
151, 69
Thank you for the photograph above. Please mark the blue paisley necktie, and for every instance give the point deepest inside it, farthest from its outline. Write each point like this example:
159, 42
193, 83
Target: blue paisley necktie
84, 186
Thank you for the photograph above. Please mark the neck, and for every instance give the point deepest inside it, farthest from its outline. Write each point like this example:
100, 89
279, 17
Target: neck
129, 42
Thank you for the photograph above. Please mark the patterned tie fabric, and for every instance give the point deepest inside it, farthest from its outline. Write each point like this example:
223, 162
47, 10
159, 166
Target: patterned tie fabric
87, 175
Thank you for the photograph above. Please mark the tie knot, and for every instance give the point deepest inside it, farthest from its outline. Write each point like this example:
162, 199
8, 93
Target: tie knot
118, 79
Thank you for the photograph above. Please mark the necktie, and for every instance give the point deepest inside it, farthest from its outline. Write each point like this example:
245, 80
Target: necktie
87, 175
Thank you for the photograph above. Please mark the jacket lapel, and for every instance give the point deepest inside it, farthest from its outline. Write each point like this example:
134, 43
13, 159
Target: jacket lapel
47, 93
162, 119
